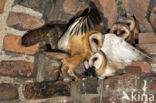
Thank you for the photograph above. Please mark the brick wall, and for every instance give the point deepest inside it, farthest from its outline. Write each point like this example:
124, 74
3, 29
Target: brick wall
29, 77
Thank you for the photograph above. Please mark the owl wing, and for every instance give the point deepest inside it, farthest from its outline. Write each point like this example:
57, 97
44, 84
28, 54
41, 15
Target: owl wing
84, 23
34, 36
118, 50
79, 26
44, 33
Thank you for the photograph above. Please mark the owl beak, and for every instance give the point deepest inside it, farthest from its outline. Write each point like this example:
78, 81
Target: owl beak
91, 71
91, 66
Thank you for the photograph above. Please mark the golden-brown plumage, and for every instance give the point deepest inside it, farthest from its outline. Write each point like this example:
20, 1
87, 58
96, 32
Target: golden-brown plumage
80, 50
80, 41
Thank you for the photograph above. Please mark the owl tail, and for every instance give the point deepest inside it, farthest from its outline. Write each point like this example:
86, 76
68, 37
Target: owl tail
44, 33
143, 56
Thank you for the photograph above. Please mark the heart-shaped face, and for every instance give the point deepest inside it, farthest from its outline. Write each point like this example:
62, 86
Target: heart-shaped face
96, 41
121, 30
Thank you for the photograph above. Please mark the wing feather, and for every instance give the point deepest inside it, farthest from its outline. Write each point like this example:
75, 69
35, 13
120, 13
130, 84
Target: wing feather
118, 50
84, 23
78, 26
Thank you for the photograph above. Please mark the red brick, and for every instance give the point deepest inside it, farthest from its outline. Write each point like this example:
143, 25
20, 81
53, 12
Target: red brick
123, 82
149, 48
8, 91
126, 5
98, 4
23, 21
144, 66
141, 5
74, 6
13, 43
46, 90
152, 85
133, 69
2, 2
147, 38
0, 31
17, 68
153, 17
108, 8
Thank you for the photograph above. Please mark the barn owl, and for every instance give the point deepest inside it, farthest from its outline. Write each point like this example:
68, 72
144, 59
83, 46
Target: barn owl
133, 25
121, 30
126, 28
80, 41
115, 54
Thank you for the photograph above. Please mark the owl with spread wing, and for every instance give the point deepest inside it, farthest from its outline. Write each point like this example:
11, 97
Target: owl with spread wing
79, 40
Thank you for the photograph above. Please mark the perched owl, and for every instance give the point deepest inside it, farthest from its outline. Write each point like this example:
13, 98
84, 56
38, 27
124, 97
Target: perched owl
80, 41
115, 54
121, 30
126, 28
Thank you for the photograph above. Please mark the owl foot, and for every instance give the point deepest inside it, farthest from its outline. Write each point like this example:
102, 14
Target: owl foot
67, 78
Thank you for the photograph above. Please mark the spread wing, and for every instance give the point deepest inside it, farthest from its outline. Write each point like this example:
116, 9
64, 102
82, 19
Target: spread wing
118, 50
78, 26
44, 33
85, 22
34, 36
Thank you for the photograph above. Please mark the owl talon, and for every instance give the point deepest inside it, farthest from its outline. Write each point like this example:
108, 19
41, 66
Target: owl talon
72, 74
77, 79
67, 78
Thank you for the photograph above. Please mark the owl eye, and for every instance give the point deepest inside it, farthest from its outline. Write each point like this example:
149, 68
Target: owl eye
128, 24
94, 59
122, 32
115, 31
95, 41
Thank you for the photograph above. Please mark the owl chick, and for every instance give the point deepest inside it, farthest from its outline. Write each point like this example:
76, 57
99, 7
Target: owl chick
126, 28
115, 54
121, 30
133, 25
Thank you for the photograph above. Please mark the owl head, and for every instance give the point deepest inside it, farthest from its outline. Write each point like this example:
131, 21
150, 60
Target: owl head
100, 63
121, 30
96, 41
